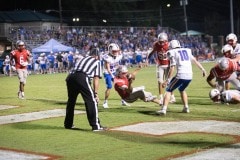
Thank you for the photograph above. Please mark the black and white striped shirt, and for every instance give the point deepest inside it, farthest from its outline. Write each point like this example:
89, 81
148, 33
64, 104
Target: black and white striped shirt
90, 66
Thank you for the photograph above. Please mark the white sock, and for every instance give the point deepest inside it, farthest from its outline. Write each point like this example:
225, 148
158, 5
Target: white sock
164, 108
23, 94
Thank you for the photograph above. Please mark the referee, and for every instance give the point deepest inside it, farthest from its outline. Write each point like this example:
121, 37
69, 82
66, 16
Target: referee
79, 81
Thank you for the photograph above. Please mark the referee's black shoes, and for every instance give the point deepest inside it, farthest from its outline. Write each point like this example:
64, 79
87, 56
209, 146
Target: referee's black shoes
70, 127
100, 129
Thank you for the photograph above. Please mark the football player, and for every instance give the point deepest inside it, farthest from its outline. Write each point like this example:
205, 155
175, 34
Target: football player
231, 39
181, 59
227, 51
228, 96
111, 61
225, 70
21, 57
160, 48
123, 85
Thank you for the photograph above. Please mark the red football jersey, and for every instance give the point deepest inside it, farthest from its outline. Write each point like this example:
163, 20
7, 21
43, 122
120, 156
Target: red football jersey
119, 84
223, 75
161, 56
20, 57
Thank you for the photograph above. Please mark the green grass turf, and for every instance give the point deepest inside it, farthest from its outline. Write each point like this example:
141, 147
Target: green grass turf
45, 92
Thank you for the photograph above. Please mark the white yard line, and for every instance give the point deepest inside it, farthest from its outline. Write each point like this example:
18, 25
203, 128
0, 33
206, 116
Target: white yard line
15, 118
161, 128
2, 107
230, 152
11, 155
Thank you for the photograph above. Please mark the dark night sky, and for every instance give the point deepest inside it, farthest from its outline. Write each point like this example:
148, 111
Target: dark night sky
198, 11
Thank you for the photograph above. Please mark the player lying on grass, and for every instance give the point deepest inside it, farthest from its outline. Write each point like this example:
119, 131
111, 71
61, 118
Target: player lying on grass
123, 85
227, 96
224, 70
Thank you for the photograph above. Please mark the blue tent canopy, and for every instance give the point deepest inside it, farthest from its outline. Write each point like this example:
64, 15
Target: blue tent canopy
192, 33
52, 46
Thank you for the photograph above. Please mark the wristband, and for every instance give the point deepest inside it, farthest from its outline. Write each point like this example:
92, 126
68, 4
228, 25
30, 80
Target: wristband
168, 80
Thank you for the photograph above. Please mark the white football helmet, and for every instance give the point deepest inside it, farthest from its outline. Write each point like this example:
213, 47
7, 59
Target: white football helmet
174, 44
213, 94
223, 63
227, 51
162, 37
113, 47
227, 48
232, 36
121, 69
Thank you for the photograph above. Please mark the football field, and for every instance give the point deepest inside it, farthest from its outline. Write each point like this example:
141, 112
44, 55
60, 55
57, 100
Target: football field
34, 126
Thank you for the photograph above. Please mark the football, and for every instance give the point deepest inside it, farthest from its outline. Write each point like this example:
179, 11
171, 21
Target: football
130, 76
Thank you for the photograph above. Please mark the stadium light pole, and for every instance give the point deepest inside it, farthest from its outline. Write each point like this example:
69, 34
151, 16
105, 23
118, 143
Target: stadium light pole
59, 11
231, 16
160, 13
184, 3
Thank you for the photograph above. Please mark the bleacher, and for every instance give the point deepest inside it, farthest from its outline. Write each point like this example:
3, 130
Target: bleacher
36, 28
36, 36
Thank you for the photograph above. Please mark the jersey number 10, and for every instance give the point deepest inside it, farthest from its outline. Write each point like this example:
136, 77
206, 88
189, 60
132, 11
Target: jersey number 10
184, 55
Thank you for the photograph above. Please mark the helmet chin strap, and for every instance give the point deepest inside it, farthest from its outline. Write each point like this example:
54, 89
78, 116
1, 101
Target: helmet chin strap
114, 56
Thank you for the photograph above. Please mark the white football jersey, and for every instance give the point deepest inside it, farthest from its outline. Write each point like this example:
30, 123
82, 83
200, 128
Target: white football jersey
113, 62
42, 60
236, 50
7, 61
227, 95
181, 58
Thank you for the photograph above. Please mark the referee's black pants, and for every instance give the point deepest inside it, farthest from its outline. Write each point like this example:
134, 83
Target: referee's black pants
79, 83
